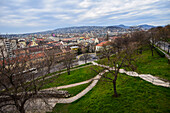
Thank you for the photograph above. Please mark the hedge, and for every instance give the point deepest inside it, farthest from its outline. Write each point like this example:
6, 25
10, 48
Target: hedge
160, 53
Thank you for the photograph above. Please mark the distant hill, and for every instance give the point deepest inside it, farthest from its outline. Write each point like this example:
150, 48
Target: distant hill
82, 29
123, 26
145, 26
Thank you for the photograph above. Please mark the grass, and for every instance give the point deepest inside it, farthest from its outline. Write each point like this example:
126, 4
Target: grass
77, 89
136, 96
76, 76
148, 64
163, 50
63, 70
154, 65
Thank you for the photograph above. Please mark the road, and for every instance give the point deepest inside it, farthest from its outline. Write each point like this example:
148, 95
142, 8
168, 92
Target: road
55, 68
60, 67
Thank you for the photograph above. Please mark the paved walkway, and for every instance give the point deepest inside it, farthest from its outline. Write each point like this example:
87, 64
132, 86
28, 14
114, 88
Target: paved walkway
147, 77
75, 84
41, 104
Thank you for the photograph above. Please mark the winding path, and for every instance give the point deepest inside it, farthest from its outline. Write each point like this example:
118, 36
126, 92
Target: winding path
147, 77
41, 104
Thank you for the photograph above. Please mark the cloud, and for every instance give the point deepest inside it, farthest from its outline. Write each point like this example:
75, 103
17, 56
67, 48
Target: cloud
63, 17
35, 13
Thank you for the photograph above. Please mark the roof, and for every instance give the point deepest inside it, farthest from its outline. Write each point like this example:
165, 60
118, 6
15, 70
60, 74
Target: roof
52, 42
100, 39
86, 38
67, 39
22, 58
102, 43
58, 44
40, 39
113, 38
74, 47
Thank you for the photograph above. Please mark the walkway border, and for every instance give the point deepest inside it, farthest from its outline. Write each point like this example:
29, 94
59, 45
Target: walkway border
41, 104
147, 77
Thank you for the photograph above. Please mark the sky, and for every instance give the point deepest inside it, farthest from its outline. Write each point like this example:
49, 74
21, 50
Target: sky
26, 16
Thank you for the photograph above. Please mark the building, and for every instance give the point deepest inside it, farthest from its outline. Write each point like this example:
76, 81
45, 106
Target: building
100, 45
32, 43
74, 48
112, 39
21, 43
7, 46
96, 41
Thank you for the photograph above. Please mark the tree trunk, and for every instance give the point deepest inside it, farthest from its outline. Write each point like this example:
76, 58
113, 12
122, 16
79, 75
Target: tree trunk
22, 110
151, 46
140, 50
85, 61
152, 52
108, 57
48, 71
114, 86
68, 71
118, 50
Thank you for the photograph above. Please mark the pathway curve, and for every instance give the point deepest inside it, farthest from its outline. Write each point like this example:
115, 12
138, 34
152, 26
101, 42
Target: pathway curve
75, 84
41, 104
147, 77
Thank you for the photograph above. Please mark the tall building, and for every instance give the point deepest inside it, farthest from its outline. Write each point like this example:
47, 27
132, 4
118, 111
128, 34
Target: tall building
6, 47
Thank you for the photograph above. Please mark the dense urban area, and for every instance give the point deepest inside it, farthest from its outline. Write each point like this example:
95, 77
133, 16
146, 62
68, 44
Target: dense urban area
86, 69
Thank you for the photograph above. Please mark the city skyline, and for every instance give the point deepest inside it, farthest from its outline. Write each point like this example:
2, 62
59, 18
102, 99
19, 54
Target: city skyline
24, 16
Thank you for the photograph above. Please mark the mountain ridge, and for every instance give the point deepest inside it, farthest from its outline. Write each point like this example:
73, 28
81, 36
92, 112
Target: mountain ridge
81, 29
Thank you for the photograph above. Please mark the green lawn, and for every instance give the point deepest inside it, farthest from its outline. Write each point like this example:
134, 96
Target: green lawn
136, 96
63, 70
148, 64
164, 50
154, 65
76, 76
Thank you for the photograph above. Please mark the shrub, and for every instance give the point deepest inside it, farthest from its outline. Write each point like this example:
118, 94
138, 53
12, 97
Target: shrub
160, 53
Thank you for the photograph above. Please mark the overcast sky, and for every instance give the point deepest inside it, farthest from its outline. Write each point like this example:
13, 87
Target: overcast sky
22, 16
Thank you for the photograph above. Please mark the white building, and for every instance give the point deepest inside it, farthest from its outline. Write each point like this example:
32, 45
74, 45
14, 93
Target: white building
7, 46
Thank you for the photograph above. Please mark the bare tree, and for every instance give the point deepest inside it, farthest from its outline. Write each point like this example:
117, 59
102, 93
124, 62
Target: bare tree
50, 57
164, 34
123, 59
141, 40
153, 36
14, 74
117, 44
85, 56
18, 83
68, 60
106, 51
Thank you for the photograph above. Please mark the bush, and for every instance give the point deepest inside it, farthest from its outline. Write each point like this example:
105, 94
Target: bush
160, 53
